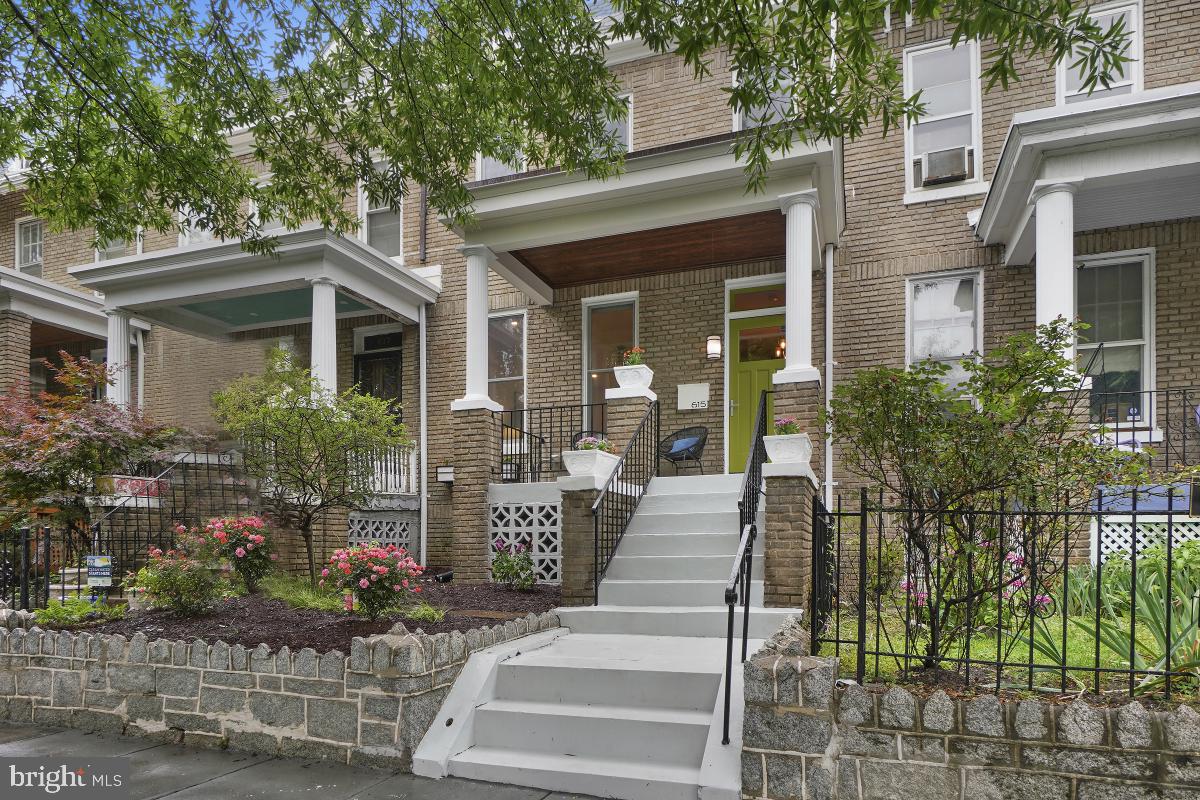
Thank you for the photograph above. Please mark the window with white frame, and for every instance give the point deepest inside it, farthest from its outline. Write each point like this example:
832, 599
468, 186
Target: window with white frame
383, 225
191, 231
1071, 78
622, 129
610, 327
30, 237
506, 359
1114, 299
768, 114
487, 167
944, 320
943, 146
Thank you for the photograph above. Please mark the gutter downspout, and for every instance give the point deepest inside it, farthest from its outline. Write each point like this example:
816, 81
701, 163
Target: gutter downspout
829, 482
141, 368
424, 457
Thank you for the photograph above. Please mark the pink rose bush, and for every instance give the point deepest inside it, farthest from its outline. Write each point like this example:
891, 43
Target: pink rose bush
379, 578
244, 542
179, 577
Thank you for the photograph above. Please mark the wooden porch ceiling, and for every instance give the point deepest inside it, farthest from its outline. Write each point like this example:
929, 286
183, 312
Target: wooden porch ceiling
42, 335
678, 248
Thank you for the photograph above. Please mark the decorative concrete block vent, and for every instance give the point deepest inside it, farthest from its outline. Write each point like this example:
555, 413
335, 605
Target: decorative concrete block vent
808, 737
370, 707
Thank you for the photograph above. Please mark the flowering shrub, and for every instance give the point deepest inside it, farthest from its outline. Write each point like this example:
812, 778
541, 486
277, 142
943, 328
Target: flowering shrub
379, 578
180, 578
513, 566
633, 356
785, 426
594, 443
242, 540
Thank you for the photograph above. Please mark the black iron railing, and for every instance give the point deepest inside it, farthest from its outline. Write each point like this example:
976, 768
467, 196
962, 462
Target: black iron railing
622, 492
1101, 595
532, 440
1163, 424
738, 587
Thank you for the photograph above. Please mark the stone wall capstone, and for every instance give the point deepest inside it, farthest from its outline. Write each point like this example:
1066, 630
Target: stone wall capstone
807, 736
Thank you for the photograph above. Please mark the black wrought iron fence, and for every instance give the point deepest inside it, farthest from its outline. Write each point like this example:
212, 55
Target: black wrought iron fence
622, 492
1102, 595
737, 589
1164, 424
532, 440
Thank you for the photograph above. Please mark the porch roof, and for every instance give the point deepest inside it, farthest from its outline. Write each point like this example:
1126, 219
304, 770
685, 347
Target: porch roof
55, 305
674, 208
218, 289
1132, 159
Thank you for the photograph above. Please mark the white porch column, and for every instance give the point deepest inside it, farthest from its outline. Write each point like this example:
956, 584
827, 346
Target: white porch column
323, 356
800, 209
476, 390
119, 390
1054, 283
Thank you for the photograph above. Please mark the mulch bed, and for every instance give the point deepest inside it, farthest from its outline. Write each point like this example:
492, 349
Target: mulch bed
252, 619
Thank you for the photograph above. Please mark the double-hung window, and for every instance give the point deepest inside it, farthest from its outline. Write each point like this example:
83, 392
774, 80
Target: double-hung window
622, 129
1113, 295
944, 320
942, 147
1070, 78
31, 234
775, 111
487, 167
192, 232
383, 225
506, 359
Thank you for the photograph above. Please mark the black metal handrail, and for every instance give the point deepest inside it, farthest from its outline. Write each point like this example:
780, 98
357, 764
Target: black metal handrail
622, 493
533, 439
1164, 423
741, 575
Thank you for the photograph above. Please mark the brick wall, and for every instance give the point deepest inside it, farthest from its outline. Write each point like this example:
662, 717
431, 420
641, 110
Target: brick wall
14, 350
787, 541
806, 737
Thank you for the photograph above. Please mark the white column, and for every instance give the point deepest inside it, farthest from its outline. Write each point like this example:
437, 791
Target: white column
1054, 283
323, 356
476, 362
119, 390
800, 209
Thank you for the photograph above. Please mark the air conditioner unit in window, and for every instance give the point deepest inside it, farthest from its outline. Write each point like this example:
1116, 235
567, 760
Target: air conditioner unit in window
943, 166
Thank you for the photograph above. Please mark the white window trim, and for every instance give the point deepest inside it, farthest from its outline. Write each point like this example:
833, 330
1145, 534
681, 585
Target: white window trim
521, 166
977, 274
1133, 68
363, 210
360, 335
185, 239
628, 98
976, 185
137, 247
524, 377
735, 114
17, 265
586, 305
1149, 322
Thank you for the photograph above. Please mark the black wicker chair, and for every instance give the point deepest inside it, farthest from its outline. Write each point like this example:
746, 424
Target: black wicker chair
683, 446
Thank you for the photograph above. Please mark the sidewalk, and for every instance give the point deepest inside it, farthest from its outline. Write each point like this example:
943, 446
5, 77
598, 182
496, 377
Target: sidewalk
178, 773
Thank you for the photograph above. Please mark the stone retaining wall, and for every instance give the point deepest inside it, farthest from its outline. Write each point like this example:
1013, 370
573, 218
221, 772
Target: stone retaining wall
371, 707
806, 736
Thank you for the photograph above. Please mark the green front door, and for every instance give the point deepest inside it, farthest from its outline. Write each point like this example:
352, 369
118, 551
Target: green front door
755, 354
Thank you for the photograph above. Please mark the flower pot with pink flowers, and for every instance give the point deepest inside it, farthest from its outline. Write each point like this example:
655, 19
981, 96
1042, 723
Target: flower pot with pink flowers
789, 444
633, 372
593, 455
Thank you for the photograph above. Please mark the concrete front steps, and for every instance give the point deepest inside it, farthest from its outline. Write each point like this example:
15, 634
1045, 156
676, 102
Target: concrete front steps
628, 703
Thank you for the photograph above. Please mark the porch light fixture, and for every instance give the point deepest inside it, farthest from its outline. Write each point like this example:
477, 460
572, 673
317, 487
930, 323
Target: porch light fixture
781, 348
714, 347
445, 475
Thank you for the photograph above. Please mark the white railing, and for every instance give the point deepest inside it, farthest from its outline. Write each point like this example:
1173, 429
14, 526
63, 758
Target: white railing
395, 471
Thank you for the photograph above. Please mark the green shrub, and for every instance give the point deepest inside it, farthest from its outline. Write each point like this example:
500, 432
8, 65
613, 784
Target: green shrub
425, 612
513, 567
75, 610
297, 592
180, 579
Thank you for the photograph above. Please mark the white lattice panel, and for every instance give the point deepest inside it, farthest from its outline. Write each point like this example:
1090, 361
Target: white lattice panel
538, 526
385, 527
1117, 535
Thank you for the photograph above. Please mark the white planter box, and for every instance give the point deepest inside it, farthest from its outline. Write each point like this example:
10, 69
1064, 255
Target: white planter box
589, 462
638, 376
792, 448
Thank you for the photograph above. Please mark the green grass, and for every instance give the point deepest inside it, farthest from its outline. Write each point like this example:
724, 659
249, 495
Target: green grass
1080, 654
297, 592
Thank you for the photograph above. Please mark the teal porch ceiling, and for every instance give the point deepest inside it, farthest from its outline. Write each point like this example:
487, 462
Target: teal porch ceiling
268, 308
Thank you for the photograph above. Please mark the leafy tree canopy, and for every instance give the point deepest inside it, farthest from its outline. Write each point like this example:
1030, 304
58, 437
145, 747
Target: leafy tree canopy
123, 109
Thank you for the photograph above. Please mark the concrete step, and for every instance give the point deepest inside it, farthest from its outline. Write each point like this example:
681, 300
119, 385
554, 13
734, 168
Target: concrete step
580, 679
694, 503
671, 592
599, 777
679, 544
694, 484
629, 733
685, 522
682, 567
690, 621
